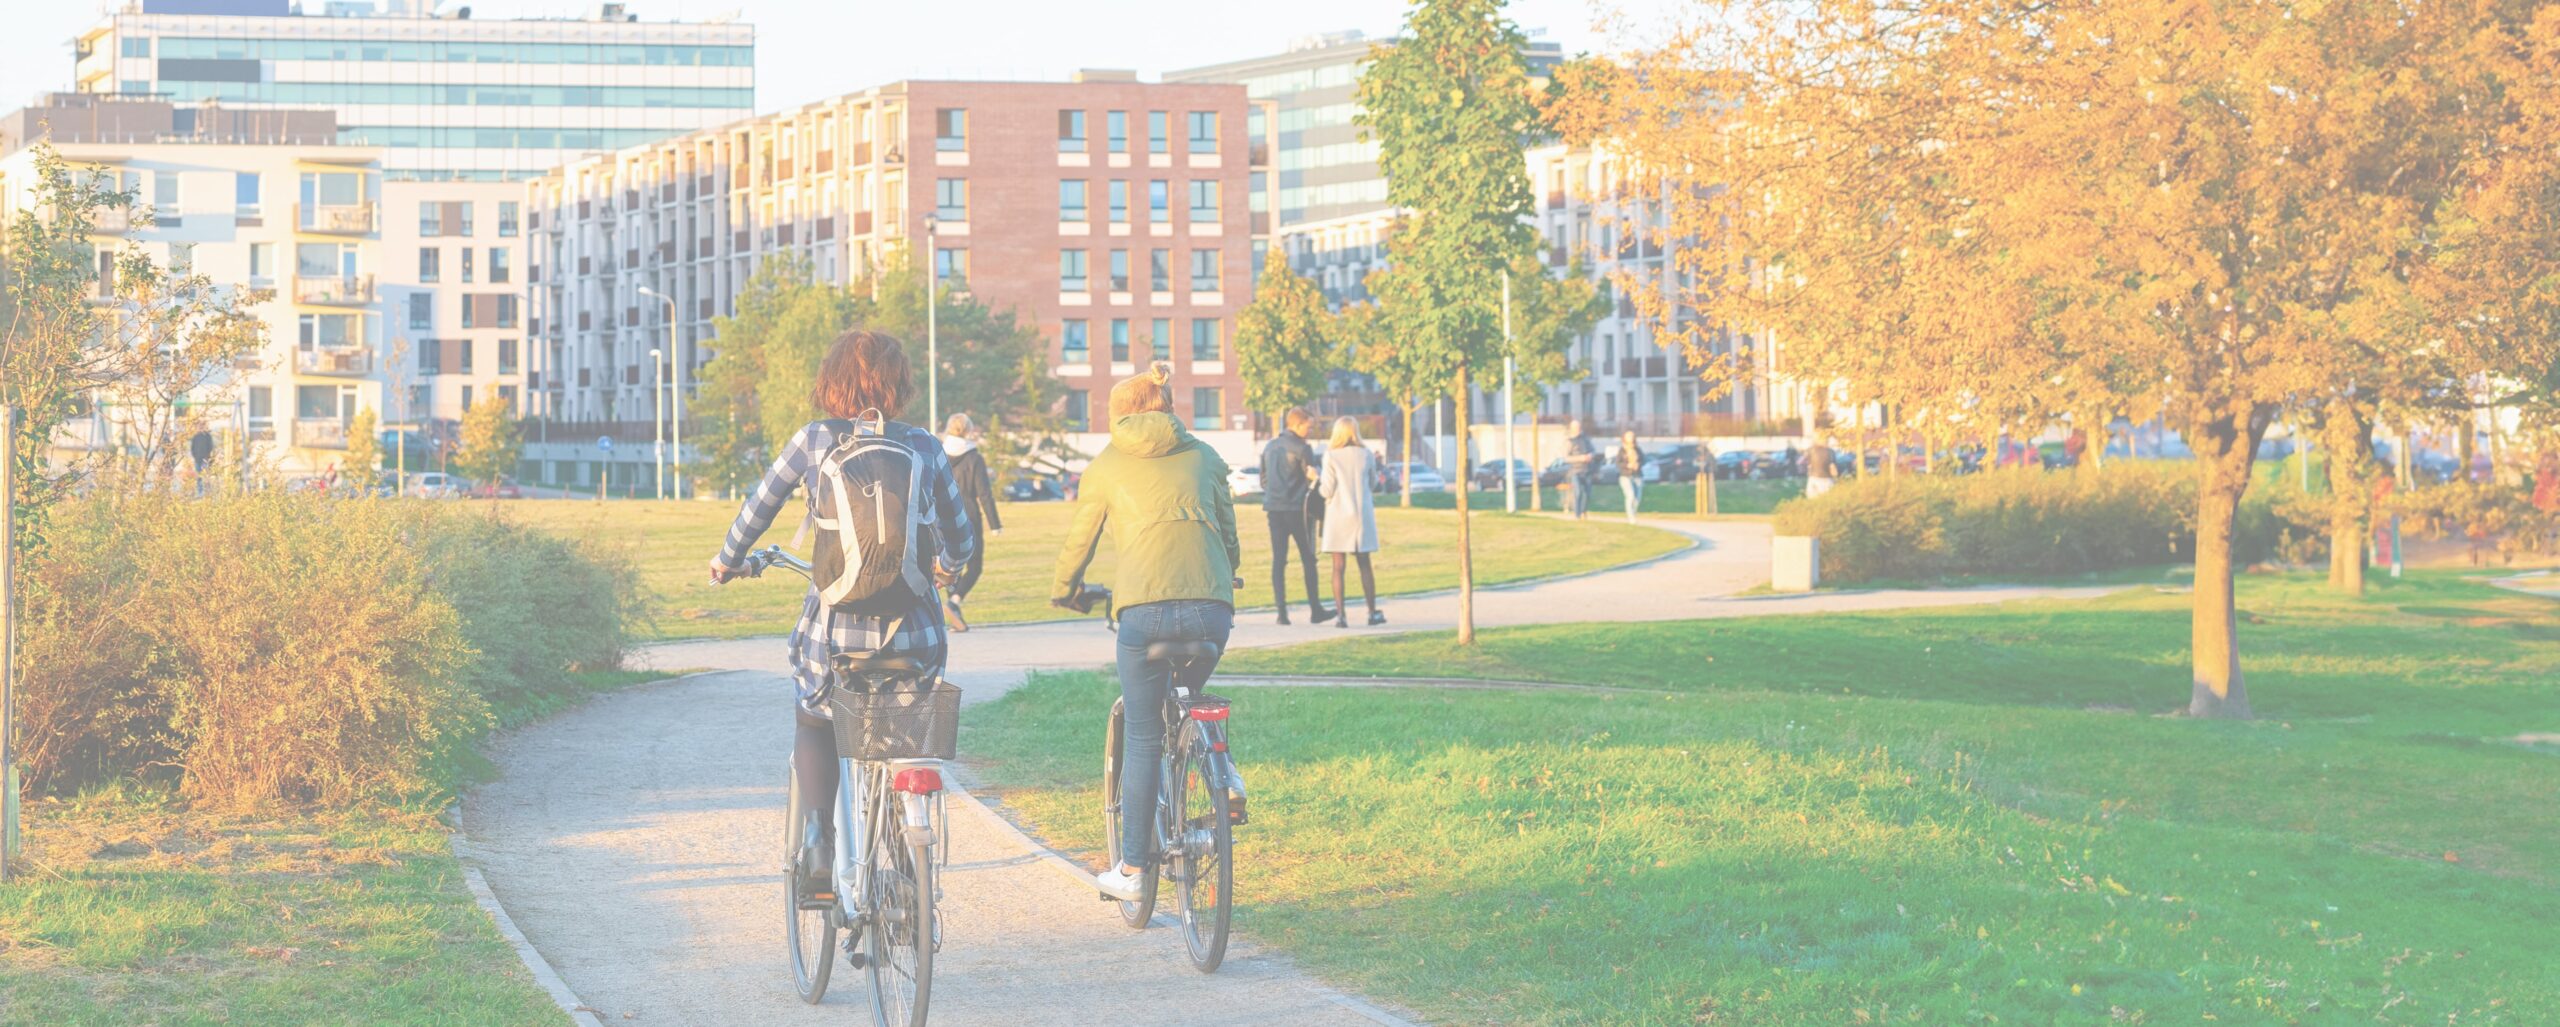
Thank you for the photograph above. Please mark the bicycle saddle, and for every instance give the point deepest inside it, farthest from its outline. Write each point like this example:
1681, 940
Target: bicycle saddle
861, 662
1189, 651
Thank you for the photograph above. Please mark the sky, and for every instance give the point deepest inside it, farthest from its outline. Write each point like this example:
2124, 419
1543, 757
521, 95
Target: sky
813, 49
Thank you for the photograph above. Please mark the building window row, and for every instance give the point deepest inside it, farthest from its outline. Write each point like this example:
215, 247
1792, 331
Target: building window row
1208, 341
1207, 267
446, 52
423, 94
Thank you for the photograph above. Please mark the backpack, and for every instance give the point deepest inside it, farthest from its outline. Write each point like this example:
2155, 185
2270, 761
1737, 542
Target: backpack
866, 501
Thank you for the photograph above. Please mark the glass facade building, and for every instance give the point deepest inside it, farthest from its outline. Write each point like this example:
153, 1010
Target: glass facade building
447, 97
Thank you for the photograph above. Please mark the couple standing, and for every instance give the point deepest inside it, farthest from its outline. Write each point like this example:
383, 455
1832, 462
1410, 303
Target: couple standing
1297, 492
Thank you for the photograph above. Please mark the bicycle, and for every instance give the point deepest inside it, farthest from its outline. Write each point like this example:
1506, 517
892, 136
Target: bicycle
895, 723
1199, 804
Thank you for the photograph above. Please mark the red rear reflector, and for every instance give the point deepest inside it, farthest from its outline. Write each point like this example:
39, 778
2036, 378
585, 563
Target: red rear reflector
917, 780
1217, 747
1208, 713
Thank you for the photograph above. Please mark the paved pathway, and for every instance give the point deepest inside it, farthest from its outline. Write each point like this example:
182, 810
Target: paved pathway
634, 839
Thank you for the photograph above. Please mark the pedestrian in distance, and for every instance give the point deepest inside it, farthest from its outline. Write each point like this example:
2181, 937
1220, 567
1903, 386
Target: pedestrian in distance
200, 449
1630, 472
1581, 465
978, 496
1350, 515
1289, 508
1821, 470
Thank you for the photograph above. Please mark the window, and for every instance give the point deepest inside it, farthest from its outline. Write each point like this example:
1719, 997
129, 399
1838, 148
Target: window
506, 356
1079, 411
507, 211
1071, 132
470, 319
1159, 202
952, 266
244, 194
463, 348
1119, 340
951, 129
1206, 414
1204, 271
506, 310
1160, 270
430, 219
464, 225
1119, 191
262, 262
135, 46
422, 311
1115, 125
1206, 345
1071, 276
1156, 142
331, 331
323, 260
1074, 342
1204, 200
430, 357
466, 264
1160, 337
1071, 199
1204, 131
1119, 270
262, 411
315, 402
165, 209
951, 199
430, 264
497, 265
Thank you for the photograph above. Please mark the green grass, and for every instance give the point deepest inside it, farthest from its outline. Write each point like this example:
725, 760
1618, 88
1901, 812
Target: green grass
1744, 498
137, 911
1970, 816
672, 543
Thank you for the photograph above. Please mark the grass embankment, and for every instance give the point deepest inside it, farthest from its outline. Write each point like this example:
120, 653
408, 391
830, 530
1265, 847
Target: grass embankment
672, 542
1966, 816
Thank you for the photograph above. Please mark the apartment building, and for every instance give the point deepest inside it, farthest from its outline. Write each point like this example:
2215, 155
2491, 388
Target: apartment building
265, 200
445, 96
1112, 214
455, 268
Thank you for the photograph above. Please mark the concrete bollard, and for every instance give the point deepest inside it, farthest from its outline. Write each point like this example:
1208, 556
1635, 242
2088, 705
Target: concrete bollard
1795, 563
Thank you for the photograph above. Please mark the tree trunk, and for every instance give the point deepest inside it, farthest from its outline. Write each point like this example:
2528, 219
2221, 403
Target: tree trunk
1706, 481
2225, 444
1404, 471
2347, 432
2468, 444
1537, 492
1466, 556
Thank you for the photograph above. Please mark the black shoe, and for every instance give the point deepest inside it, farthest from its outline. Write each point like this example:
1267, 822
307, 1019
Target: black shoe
1284, 616
1318, 615
1342, 622
1377, 617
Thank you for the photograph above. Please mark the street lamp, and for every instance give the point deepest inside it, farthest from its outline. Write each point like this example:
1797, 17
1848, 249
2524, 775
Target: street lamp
678, 407
658, 417
1510, 413
932, 345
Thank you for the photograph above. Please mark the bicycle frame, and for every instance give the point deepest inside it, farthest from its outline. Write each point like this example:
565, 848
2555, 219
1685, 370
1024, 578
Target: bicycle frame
864, 822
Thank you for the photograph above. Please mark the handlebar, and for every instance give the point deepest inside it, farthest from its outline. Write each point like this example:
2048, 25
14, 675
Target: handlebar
772, 556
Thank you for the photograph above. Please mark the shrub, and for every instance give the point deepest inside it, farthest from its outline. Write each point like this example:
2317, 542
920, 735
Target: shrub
2012, 522
267, 648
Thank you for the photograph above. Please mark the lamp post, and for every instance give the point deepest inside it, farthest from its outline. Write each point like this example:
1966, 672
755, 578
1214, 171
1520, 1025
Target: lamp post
658, 419
932, 344
677, 412
1510, 413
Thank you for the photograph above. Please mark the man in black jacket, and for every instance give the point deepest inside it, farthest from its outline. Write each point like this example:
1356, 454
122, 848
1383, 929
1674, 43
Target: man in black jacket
978, 496
1288, 482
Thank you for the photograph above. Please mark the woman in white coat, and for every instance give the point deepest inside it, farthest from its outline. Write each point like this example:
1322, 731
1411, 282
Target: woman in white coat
1350, 514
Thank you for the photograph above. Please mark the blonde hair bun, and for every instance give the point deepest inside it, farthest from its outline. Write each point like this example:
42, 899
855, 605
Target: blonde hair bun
1161, 370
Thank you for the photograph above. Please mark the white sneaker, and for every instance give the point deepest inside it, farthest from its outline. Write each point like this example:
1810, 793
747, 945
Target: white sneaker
1122, 886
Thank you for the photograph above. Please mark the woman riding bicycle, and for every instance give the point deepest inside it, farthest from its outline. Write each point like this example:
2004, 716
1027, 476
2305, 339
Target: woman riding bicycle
1164, 496
864, 379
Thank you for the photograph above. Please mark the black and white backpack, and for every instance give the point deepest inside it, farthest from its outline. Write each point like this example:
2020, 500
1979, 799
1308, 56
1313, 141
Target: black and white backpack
867, 501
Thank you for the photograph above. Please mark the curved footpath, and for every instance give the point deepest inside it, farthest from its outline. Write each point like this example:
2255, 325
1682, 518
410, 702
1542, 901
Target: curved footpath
634, 839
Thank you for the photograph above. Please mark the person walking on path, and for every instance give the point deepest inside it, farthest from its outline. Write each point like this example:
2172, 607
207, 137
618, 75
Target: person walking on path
1163, 494
1581, 466
2546, 482
1630, 472
200, 448
978, 496
1821, 470
1288, 493
863, 374
1350, 516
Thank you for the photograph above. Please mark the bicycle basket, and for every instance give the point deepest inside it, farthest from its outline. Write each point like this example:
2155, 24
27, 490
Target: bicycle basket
905, 719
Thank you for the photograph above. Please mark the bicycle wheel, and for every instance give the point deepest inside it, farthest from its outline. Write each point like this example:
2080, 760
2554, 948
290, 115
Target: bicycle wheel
903, 934
811, 923
1135, 914
1204, 870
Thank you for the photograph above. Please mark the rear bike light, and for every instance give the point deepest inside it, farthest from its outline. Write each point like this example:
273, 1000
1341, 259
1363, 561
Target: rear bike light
917, 781
1208, 713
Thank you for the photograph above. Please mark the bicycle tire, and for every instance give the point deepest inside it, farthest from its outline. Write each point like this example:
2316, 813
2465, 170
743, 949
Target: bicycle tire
903, 935
1204, 878
805, 918
1135, 914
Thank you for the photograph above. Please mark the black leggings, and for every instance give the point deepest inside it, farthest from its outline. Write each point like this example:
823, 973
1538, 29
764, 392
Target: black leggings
1368, 583
977, 565
813, 774
1286, 526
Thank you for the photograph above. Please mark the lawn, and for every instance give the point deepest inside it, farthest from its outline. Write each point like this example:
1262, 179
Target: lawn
139, 911
672, 543
1970, 816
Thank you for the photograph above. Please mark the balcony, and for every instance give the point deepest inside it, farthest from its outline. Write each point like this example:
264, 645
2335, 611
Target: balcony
336, 361
319, 433
334, 290
111, 221
335, 219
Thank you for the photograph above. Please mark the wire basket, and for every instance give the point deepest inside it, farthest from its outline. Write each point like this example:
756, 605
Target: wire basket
902, 720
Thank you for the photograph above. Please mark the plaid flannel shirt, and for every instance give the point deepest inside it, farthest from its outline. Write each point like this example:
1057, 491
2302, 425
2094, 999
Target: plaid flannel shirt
823, 631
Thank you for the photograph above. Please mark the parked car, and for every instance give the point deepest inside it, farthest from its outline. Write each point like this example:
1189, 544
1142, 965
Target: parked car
1603, 472
1738, 464
503, 488
434, 485
1244, 481
1489, 474
1033, 490
1423, 478
1674, 464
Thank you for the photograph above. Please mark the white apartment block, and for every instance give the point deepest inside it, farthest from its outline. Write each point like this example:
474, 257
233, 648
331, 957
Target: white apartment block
454, 273
298, 218
444, 95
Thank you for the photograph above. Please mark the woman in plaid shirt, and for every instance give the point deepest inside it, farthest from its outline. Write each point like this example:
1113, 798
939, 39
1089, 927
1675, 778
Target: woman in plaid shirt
863, 372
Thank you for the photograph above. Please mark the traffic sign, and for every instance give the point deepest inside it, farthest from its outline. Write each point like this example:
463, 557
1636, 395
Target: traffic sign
604, 442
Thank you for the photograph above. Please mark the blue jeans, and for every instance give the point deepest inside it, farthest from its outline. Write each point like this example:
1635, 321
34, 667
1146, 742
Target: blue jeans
1142, 693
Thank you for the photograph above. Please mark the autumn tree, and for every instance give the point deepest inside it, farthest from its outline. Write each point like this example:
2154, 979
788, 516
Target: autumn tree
48, 277
167, 343
491, 443
1450, 106
1286, 340
362, 469
1548, 315
994, 364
